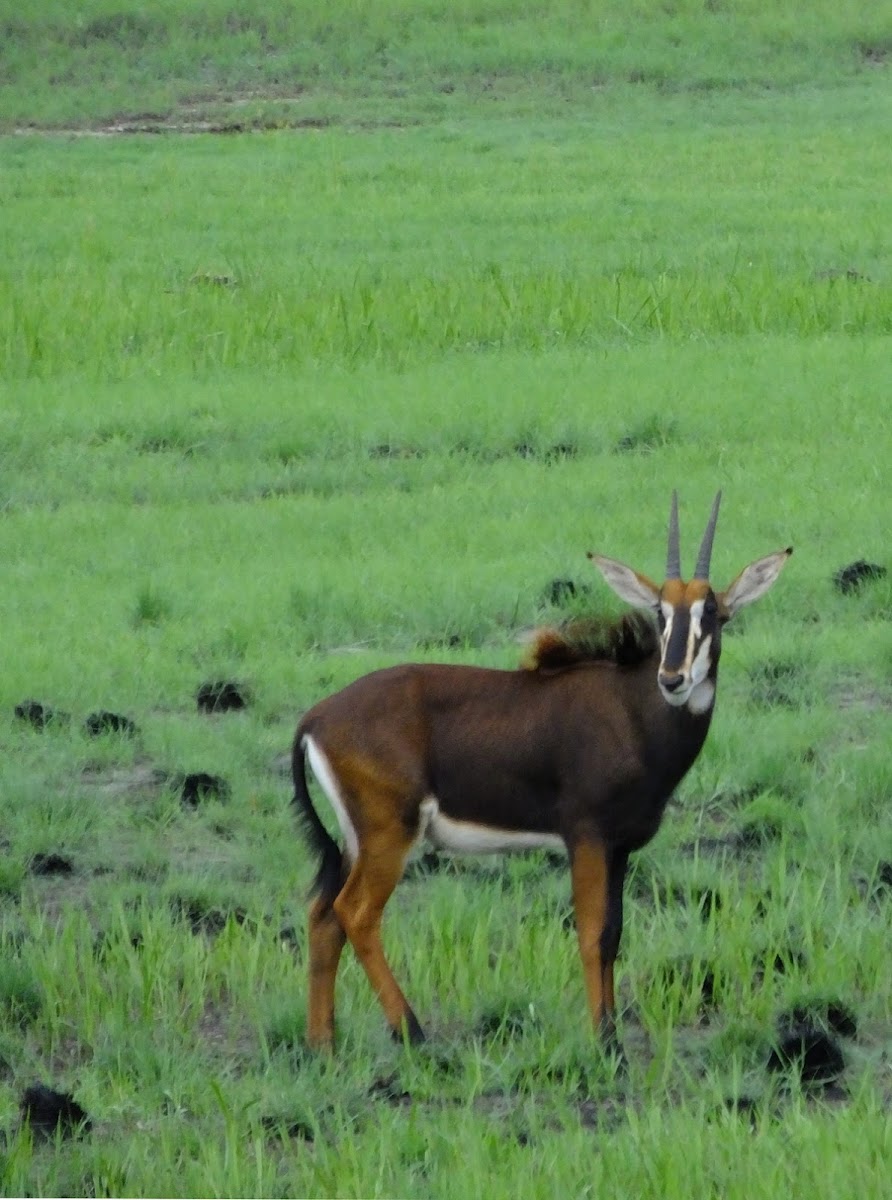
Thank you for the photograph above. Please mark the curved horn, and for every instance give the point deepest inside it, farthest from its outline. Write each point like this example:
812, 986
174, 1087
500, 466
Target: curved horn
702, 569
673, 557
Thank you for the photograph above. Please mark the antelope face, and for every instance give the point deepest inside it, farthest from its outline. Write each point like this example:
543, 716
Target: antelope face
689, 619
691, 615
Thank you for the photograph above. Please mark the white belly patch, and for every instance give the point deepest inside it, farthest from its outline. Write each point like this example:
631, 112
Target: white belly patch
469, 837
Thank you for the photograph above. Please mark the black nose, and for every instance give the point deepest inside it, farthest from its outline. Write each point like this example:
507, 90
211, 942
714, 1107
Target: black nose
672, 682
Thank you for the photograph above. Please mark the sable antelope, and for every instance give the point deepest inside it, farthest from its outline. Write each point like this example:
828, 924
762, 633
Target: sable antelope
580, 749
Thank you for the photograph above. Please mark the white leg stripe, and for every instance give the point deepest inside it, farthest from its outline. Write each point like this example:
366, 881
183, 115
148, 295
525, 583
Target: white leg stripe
321, 768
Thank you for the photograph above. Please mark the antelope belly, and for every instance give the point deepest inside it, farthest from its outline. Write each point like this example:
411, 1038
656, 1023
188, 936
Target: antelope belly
471, 837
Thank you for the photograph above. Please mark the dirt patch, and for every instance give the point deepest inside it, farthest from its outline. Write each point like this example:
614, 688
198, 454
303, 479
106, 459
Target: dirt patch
119, 781
387, 1088
852, 274
875, 54
198, 787
389, 450
864, 695
194, 123
205, 920
652, 434
526, 449
222, 696
286, 1128
808, 1052
507, 1024
852, 577
558, 452
49, 1112
831, 1015
561, 592
51, 864
208, 279
878, 888
40, 716
103, 721
442, 641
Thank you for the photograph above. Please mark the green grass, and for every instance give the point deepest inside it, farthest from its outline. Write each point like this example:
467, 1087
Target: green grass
289, 406
781, 236
310, 64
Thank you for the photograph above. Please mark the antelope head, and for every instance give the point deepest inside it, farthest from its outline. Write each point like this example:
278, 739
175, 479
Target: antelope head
691, 614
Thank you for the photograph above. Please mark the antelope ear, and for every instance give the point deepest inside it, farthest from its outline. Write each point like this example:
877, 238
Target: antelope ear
635, 589
752, 582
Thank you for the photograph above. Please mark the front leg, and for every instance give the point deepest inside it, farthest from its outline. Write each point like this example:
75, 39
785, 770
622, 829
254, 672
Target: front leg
613, 930
590, 872
598, 873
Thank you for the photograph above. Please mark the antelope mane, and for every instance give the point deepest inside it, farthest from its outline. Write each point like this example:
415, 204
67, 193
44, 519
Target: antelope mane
626, 642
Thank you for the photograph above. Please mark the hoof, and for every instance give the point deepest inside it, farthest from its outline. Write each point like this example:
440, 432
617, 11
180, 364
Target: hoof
322, 1042
409, 1031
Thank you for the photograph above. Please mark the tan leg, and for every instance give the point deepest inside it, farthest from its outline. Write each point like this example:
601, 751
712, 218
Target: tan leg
326, 940
359, 908
590, 874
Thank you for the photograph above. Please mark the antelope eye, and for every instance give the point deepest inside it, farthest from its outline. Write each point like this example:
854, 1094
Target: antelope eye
710, 606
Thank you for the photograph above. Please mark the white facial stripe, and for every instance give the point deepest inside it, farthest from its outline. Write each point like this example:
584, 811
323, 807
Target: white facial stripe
701, 664
467, 837
321, 768
696, 662
668, 613
696, 618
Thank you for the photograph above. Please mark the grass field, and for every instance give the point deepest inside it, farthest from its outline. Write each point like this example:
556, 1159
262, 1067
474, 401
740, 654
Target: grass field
333, 340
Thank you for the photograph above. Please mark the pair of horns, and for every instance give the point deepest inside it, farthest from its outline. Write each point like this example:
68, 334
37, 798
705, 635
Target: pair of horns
673, 558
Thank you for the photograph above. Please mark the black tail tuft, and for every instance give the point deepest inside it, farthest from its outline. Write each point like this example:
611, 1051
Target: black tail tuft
330, 875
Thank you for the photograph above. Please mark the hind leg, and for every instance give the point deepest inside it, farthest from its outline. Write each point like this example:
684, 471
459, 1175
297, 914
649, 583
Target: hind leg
327, 940
359, 908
